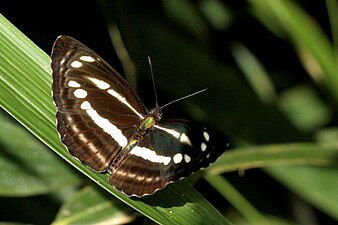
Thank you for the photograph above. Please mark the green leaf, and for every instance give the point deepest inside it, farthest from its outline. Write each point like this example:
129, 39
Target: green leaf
25, 81
27, 167
279, 154
287, 19
252, 215
186, 17
254, 72
317, 185
236, 199
304, 107
91, 206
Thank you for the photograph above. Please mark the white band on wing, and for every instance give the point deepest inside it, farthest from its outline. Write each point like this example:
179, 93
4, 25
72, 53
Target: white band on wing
105, 124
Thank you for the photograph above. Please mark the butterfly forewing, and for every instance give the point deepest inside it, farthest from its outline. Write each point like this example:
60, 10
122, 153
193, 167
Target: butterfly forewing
97, 110
105, 126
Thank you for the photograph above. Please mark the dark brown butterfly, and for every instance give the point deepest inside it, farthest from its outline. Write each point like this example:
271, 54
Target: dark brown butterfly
105, 125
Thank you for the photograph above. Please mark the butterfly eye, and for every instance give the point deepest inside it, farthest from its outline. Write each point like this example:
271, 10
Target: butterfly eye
105, 125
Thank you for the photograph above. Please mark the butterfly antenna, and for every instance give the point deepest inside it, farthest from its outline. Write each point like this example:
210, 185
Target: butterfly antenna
153, 79
184, 97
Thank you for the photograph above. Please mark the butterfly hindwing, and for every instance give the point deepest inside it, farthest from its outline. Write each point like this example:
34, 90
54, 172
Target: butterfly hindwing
171, 151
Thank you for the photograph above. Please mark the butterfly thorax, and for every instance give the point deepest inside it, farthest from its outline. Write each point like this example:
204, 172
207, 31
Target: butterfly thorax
142, 129
146, 124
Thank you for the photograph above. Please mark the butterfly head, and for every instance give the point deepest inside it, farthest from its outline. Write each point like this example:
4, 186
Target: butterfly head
156, 113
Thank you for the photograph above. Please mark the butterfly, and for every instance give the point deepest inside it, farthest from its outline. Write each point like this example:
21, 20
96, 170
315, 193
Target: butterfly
106, 126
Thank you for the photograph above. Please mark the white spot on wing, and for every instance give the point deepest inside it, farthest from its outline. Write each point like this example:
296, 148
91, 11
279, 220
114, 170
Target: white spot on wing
73, 83
86, 105
76, 64
187, 158
131, 175
87, 58
105, 124
185, 139
99, 83
178, 158
206, 136
80, 93
124, 101
203, 146
82, 137
140, 178
69, 119
75, 128
150, 155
